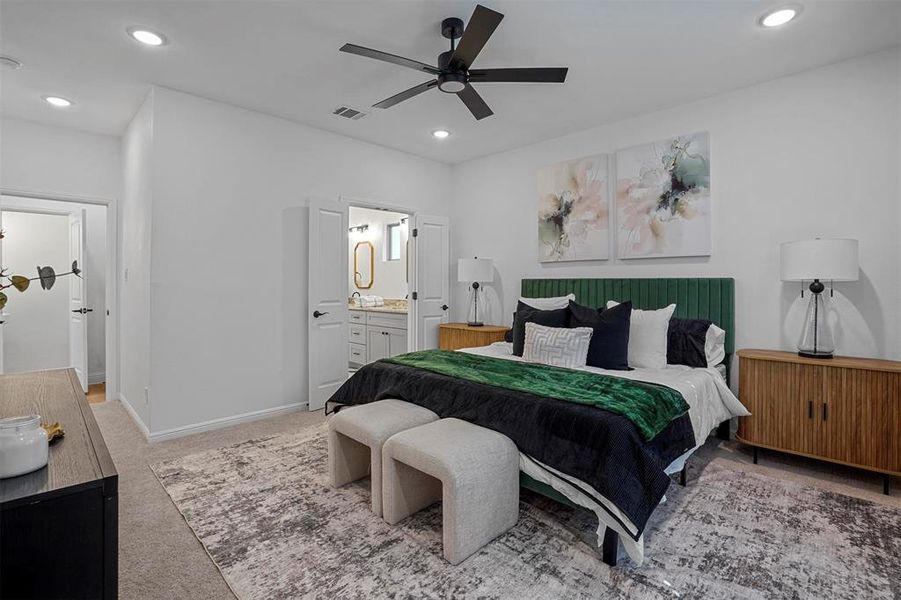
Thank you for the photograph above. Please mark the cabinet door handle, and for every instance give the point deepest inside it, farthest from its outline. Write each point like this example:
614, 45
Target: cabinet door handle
824, 411
810, 409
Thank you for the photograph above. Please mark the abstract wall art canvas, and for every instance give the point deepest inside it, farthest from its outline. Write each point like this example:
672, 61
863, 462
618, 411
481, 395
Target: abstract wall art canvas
663, 198
573, 211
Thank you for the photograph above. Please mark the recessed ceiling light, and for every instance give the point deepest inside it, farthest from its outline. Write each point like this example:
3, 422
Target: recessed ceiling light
10, 62
779, 16
58, 101
441, 133
146, 36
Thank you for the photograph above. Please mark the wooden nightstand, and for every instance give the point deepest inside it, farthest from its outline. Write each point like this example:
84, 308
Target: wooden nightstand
843, 410
453, 336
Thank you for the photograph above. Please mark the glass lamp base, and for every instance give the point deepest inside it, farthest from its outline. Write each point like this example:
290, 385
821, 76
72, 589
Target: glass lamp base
816, 337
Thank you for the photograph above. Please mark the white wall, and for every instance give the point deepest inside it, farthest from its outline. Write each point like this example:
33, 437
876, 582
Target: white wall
134, 261
55, 161
228, 298
36, 332
815, 154
44, 160
390, 275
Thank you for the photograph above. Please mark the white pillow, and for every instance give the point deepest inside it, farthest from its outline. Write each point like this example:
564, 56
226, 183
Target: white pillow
648, 336
557, 346
549, 303
715, 345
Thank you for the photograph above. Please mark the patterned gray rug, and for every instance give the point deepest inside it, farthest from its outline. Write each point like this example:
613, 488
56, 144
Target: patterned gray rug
267, 518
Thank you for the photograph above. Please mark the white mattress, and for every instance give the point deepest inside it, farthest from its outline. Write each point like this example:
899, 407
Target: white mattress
710, 402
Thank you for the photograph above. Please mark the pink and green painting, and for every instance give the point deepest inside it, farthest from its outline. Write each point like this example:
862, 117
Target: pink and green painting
663, 198
573, 212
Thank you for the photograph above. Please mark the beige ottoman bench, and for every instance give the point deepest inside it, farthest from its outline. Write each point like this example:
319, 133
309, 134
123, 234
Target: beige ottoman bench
356, 435
473, 470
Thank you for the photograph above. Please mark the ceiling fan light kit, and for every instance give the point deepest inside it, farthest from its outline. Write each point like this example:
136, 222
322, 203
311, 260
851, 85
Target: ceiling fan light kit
453, 74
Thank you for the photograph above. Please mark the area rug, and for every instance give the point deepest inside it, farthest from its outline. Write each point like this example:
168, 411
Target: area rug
275, 529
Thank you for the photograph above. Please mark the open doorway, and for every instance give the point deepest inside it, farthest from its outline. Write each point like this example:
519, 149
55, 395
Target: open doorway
64, 326
379, 284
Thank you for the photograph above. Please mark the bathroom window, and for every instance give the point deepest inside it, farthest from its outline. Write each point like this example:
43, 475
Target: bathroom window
392, 251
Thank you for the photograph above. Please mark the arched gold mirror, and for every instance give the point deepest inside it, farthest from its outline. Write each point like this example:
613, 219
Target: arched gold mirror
364, 265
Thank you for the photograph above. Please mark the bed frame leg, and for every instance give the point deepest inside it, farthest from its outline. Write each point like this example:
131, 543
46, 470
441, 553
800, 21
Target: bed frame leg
886, 484
683, 476
611, 545
724, 429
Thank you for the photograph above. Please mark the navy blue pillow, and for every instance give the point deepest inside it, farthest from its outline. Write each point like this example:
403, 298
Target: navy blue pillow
527, 314
609, 346
685, 343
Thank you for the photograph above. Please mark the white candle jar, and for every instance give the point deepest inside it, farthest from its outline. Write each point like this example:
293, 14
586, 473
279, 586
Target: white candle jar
23, 445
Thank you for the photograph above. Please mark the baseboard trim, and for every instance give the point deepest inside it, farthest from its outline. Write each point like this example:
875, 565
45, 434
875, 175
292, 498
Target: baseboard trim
177, 432
96, 377
134, 416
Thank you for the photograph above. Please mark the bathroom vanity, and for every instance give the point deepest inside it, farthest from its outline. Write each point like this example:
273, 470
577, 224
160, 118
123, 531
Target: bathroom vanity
377, 332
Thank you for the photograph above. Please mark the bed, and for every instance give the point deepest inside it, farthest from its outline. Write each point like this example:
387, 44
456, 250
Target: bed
601, 462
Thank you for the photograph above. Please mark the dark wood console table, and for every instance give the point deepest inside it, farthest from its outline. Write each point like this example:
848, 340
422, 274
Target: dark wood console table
59, 525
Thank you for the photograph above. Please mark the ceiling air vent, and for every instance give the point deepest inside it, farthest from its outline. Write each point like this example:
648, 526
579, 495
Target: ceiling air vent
349, 113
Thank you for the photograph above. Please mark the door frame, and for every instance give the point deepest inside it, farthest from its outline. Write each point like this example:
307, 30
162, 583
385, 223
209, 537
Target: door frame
112, 270
356, 202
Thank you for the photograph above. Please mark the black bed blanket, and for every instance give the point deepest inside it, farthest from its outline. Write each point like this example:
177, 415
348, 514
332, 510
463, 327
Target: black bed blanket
600, 448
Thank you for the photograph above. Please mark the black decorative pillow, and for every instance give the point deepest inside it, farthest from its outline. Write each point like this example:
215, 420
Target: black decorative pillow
526, 314
686, 340
508, 337
609, 346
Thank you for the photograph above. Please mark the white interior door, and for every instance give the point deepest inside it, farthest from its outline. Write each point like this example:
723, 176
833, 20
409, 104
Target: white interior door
431, 257
328, 281
78, 302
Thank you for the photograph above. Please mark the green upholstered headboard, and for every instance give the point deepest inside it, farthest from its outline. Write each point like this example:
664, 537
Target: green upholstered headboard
695, 298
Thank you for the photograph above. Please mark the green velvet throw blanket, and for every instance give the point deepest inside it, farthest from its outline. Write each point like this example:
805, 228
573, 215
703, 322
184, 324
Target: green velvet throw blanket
648, 405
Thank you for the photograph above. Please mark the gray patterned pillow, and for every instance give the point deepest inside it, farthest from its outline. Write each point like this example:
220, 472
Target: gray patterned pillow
556, 346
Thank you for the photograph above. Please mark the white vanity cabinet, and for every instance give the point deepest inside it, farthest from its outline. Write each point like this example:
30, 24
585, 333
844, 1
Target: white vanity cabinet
375, 334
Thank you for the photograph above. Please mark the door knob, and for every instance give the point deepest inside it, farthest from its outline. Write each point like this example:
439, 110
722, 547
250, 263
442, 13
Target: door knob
444, 307
317, 314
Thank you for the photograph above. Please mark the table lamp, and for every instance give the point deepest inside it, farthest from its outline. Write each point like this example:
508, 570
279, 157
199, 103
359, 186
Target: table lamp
475, 270
816, 260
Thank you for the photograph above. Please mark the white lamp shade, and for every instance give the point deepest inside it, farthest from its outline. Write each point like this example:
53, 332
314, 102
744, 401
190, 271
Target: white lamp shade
475, 269
830, 260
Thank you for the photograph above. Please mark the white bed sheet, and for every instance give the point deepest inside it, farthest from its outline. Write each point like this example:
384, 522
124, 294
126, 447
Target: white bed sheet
710, 402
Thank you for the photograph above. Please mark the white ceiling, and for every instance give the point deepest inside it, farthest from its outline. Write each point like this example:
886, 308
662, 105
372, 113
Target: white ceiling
281, 58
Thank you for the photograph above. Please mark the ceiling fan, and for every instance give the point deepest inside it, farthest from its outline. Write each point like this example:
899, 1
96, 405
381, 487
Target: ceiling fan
453, 73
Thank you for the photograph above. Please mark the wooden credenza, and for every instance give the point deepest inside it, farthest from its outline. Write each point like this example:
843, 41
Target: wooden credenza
843, 410
59, 524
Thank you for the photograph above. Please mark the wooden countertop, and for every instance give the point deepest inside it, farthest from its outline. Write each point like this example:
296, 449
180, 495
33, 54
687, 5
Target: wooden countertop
847, 362
77, 460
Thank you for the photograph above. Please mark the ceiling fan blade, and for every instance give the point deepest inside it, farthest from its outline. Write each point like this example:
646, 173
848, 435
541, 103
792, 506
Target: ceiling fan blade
481, 25
527, 75
391, 58
406, 94
474, 103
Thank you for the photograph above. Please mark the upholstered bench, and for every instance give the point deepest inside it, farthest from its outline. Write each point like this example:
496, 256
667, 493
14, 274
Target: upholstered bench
473, 470
356, 435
